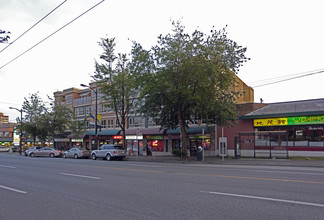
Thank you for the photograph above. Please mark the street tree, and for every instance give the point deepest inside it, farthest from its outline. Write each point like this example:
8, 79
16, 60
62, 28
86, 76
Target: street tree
33, 107
55, 120
116, 82
4, 37
77, 128
192, 77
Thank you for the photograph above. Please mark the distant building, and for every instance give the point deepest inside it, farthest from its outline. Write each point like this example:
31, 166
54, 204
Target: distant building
4, 119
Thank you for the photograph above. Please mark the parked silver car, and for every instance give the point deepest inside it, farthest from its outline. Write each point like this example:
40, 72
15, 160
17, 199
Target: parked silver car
31, 149
76, 153
45, 152
109, 152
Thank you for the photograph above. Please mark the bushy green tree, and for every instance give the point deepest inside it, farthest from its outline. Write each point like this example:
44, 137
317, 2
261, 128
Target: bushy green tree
33, 107
54, 121
116, 82
4, 37
188, 75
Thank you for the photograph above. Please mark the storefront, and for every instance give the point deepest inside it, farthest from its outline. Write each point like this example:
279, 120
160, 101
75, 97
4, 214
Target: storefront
197, 136
304, 132
155, 142
103, 137
135, 144
144, 141
302, 121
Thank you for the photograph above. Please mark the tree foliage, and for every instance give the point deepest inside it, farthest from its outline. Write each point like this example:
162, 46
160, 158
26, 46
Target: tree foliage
116, 81
5, 38
54, 121
186, 76
33, 107
44, 122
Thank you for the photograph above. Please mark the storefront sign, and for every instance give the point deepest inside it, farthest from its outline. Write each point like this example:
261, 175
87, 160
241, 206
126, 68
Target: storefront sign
300, 120
155, 137
118, 137
16, 137
134, 137
77, 140
199, 137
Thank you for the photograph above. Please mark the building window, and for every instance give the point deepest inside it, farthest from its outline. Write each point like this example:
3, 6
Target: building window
103, 108
110, 123
136, 122
151, 122
103, 123
117, 125
68, 99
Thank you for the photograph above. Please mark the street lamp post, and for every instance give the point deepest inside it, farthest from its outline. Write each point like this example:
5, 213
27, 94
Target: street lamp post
21, 111
96, 111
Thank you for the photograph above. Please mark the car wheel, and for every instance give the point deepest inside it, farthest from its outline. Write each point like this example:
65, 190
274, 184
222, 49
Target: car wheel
93, 157
32, 155
64, 156
75, 156
51, 155
108, 157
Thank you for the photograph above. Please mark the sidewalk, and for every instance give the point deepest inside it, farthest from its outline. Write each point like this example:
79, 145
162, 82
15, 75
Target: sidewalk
303, 162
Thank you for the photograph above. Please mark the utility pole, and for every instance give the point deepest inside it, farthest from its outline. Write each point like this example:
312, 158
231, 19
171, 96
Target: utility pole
20, 141
96, 112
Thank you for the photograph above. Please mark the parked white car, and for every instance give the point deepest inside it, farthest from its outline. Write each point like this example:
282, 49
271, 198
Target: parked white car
109, 152
4, 149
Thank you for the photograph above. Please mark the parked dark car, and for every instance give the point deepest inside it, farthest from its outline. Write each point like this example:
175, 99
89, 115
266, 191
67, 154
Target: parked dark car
76, 153
109, 152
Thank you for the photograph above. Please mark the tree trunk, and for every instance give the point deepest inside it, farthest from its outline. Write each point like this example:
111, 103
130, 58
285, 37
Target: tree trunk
183, 135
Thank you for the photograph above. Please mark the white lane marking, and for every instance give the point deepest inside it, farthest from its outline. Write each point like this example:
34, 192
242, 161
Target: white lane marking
266, 198
76, 175
287, 172
7, 166
12, 189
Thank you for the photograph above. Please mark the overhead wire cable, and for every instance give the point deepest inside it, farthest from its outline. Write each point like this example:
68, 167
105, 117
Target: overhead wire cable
296, 77
282, 77
33, 26
51, 34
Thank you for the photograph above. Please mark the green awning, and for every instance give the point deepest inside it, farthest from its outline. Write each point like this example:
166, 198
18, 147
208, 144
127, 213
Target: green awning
5, 139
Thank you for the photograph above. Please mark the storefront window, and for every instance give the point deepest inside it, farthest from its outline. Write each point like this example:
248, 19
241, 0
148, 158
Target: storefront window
156, 145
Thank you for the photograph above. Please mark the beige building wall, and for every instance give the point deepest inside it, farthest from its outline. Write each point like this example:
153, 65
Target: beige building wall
247, 91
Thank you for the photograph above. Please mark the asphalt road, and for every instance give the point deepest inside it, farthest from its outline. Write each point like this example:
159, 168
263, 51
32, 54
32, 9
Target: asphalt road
57, 188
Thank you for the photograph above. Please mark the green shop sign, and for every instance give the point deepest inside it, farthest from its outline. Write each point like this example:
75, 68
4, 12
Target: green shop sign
154, 137
300, 120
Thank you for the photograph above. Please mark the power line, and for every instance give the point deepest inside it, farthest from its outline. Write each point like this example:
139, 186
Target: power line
8, 103
280, 79
51, 34
33, 26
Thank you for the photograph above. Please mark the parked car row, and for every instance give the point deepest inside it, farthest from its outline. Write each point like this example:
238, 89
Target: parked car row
106, 151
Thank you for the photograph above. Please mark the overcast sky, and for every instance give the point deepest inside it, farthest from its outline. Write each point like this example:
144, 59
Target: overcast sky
283, 38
